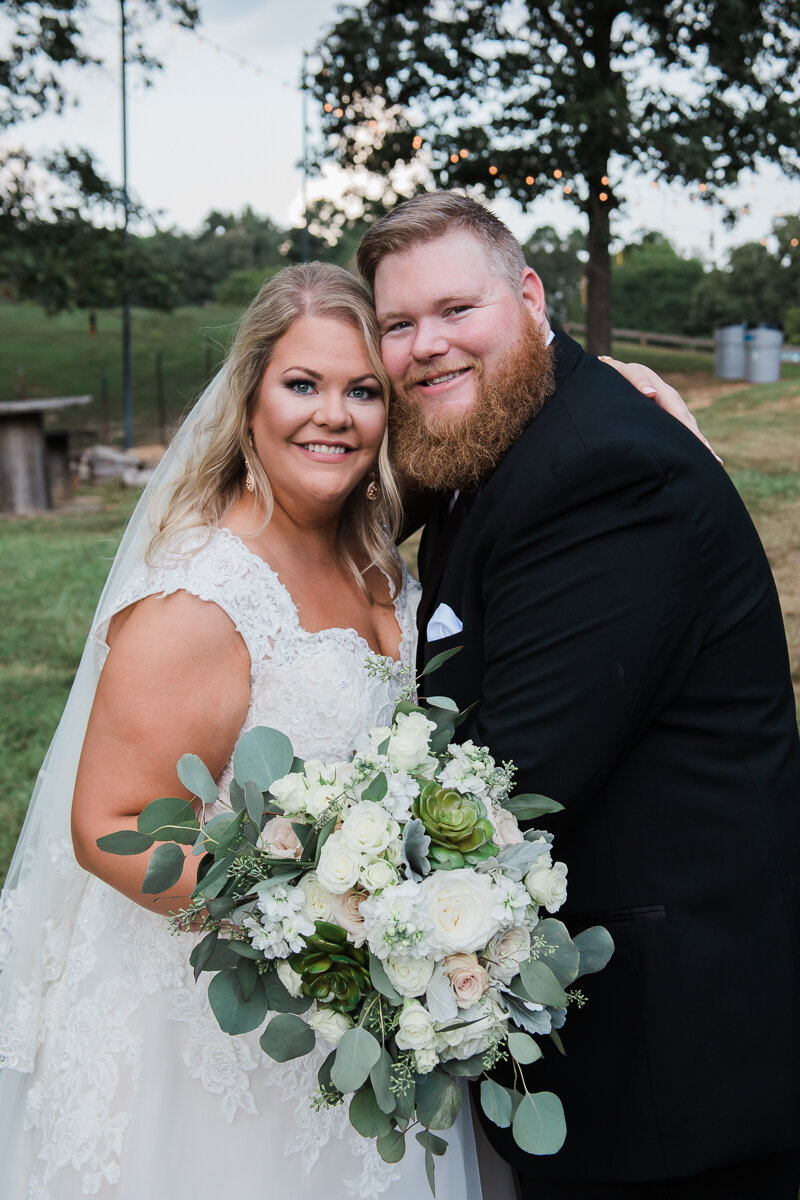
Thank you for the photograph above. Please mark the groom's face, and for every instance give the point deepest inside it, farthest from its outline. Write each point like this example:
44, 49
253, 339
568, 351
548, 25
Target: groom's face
449, 320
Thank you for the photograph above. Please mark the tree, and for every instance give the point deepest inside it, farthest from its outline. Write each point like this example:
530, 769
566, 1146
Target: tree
558, 261
514, 97
653, 287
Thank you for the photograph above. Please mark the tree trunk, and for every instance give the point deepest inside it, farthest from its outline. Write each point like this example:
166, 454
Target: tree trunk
598, 272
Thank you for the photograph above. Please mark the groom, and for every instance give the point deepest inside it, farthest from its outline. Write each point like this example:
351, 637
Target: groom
621, 631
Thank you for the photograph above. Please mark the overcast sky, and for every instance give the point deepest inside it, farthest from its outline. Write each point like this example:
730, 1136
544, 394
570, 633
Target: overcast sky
221, 127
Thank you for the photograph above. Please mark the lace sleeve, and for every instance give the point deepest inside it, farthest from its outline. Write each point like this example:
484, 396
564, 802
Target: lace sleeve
216, 567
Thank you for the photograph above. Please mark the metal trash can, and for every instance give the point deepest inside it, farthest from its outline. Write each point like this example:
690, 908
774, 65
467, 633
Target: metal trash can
763, 341
729, 351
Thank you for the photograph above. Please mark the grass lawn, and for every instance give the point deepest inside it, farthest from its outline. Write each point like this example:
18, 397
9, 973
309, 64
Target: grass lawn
54, 566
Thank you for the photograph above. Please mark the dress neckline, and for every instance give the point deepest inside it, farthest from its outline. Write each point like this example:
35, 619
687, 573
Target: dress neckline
397, 601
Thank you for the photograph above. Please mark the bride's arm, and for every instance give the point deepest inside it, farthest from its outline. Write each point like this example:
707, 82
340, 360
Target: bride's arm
176, 681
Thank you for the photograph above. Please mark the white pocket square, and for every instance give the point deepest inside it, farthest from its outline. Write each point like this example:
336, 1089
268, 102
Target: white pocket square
442, 624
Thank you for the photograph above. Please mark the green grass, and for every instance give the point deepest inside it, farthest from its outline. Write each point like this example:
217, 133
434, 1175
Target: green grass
61, 359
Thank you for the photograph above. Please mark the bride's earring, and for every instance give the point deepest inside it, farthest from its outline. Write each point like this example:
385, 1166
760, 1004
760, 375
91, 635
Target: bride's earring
373, 487
249, 482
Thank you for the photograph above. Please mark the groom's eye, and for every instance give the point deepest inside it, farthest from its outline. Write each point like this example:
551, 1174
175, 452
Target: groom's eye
457, 309
396, 327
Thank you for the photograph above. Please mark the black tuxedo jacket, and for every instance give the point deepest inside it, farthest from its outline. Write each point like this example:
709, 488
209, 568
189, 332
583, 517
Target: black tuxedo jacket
623, 638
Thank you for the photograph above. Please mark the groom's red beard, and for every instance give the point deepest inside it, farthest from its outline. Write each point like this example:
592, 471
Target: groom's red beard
443, 451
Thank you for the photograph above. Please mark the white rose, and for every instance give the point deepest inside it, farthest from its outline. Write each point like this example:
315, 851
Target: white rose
290, 792
467, 977
506, 951
548, 885
317, 904
378, 874
409, 743
339, 866
365, 829
507, 831
425, 1060
344, 910
459, 905
415, 1028
279, 839
410, 976
289, 978
329, 1024
320, 797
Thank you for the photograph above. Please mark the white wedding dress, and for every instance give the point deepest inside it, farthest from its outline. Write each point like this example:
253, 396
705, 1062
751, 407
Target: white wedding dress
120, 1084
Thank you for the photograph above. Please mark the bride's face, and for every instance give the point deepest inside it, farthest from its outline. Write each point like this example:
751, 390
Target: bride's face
319, 418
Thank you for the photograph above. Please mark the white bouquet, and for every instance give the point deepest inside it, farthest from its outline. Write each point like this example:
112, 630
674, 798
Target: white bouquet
390, 905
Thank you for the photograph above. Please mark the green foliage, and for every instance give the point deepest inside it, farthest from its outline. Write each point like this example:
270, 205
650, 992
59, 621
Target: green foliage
240, 287
287, 1036
539, 1126
559, 263
791, 325
652, 287
357, 1053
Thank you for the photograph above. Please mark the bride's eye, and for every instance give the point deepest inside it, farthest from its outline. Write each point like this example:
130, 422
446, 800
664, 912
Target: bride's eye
362, 392
300, 387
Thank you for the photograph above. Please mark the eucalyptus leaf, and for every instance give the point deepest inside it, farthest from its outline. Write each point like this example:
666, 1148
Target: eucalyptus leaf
380, 1077
244, 950
438, 1100
324, 833
430, 1141
221, 831
391, 1146
539, 1126
223, 906
496, 1103
164, 869
366, 1115
324, 1073
169, 819
377, 789
414, 852
442, 702
430, 1170
439, 660
558, 950
381, 981
280, 999
196, 778
404, 1101
540, 984
595, 946
236, 796
253, 801
523, 1048
528, 807
221, 957
202, 952
235, 1014
462, 716
536, 1021
126, 841
356, 1055
287, 1036
214, 879
468, 1068
262, 755
247, 976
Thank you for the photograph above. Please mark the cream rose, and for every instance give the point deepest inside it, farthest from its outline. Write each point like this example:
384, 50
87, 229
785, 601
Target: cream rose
506, 951
289, 978
365, 829
410, 976
425, 1060
378, 874
279, 839
329, 1024
320, 797
415, 1028
344, 909
317, 901
409, 743
290, 792
459, 905
506, 830
475, 1037
548, 885
339, 866
467, 977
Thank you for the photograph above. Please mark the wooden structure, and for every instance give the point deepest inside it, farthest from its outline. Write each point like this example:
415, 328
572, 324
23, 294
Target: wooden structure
25, 470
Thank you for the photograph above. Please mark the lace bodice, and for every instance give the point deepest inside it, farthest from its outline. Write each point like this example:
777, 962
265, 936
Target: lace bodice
314, 687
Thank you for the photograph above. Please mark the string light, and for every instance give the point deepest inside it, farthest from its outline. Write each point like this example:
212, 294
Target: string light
416, 143
492, 170
604, 181
567, 190
557, 174
453, 158
463, 154
529, 180
703, 187
603, 196
338, 112
794, 242
328, 107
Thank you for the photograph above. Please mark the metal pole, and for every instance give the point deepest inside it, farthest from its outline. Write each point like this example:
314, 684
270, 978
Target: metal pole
127, 387
304, 248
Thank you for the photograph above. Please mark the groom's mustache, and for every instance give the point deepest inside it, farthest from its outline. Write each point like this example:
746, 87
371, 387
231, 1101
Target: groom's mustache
446, 367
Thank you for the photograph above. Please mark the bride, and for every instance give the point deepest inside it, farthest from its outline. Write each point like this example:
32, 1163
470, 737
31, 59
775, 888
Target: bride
257, 579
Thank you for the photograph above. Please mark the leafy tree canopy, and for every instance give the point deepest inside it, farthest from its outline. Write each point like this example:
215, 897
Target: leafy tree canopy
515, 97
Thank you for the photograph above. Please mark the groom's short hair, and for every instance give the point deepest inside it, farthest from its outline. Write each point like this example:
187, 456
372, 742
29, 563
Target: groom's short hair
432, 215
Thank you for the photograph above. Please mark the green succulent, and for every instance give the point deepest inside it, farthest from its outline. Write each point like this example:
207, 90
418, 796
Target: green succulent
333, 971
459, 828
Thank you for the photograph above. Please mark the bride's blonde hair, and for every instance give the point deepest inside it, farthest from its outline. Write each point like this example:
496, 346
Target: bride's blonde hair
213, 477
